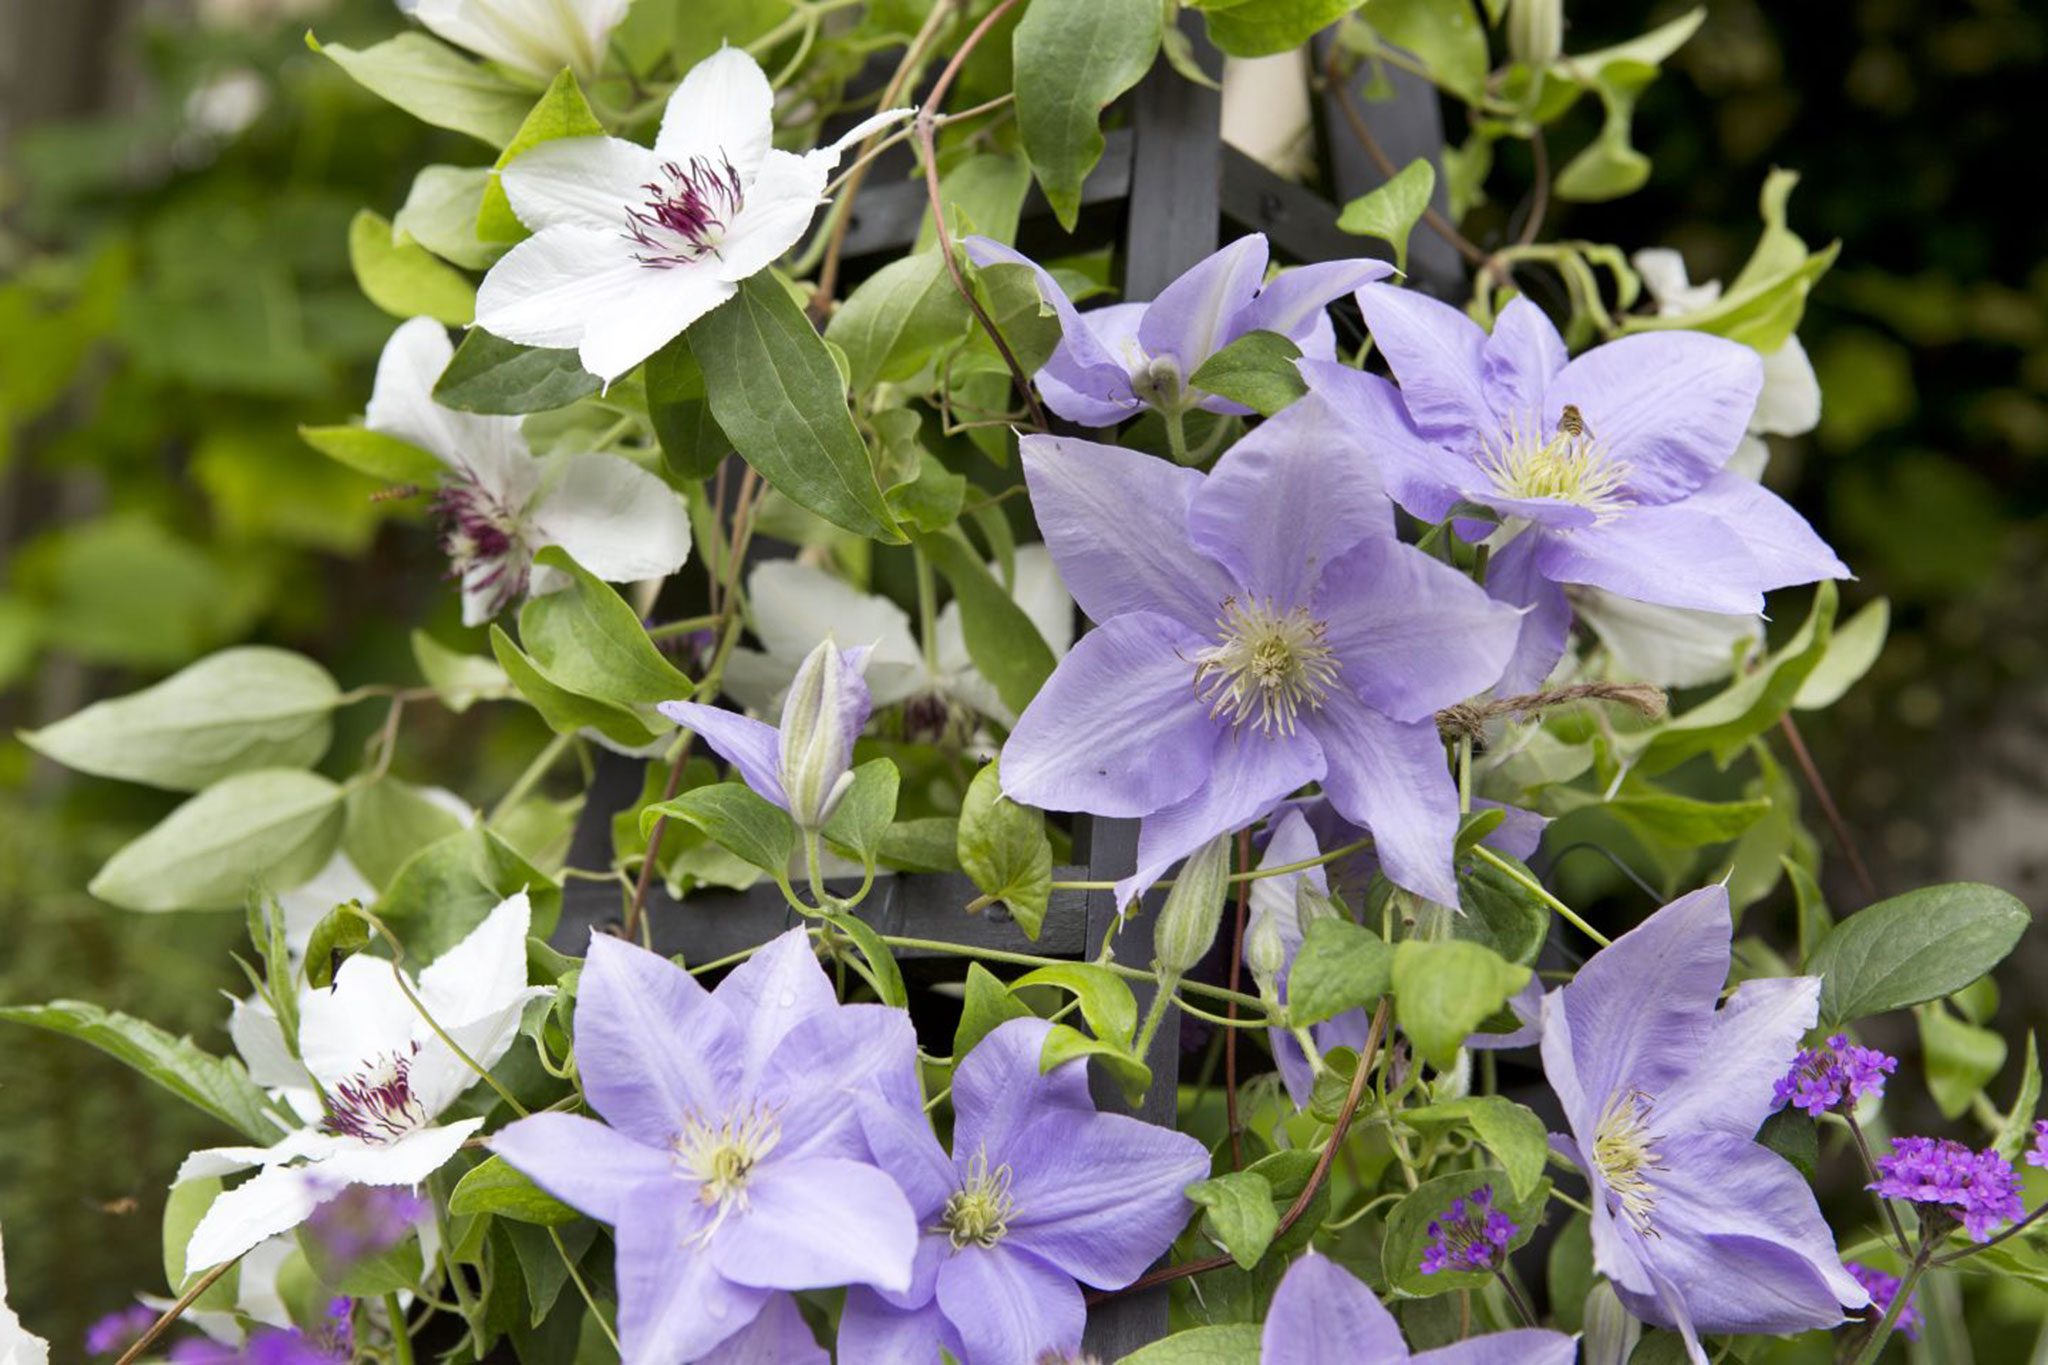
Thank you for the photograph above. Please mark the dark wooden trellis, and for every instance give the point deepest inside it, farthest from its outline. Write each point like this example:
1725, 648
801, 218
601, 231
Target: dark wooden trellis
1165, 188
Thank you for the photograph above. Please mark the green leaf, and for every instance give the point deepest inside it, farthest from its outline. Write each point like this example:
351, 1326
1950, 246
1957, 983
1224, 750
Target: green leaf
586, 639
1002, 640
273, 826
341, 933
885, 975
429, 81
1256, 370
406, 280
1501, 912
186, 1204
448, 888
1914, 948
387, 822
1408, 1229
921, 845
1238, 1214
1063, 1045
1794, 1136
1262, 28
740, 821
1445, 990
986, 1003
864, 813
489, 374
374, 453
440, 214
984, 194
1514, 1134
1610, 166
1666, 817
1106, 1000
776, 392
459, 680
495, 1186
1391, 212
1072, 58
215, 1085
1004, 848
1341, 966
561, 112
1445, 34
244, 708
1234, 1343
1960, 1059
1851, 652
565, 711
2016, 1133
1016, 304
1659, 1347
892, 324
692, 444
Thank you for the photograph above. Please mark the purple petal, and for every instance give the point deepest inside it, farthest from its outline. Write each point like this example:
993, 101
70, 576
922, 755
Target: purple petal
771, 993
1321, 1313
1273, 898
749, 745
1115, 330
1638, 1013
584, 1164
1412, 635
1101, 1196
1196, 315
1116, 522
1670, 406
778, 1336
1079, 362
815, 1223
1526, 1347
1390, 777
1521, 358
1527, 1005
1424, 477
904, 1145
1750, 1044
834, 1065
1010, 1308
1512, 577
874, 1332
651, 1044
1293, 301
998, 1089
673, 1303
1669, 555
1518, 834
1117, 729
1248, 776
1439, 356
1781, 542
1284, 501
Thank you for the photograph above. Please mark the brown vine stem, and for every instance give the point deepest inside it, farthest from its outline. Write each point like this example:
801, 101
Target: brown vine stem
1810, 770
175, 1311
1244, 888
1352, 1097
926, 125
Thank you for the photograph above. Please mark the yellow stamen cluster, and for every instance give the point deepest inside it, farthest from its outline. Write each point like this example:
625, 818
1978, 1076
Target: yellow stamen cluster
722, 1156
1625, 1152
978, 1214
1266, 666
1570, 466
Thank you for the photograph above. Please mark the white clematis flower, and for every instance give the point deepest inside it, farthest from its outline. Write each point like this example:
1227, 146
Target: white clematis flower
17, 1345
500, 505
795, 605
537, 37
387, 1076
632, 244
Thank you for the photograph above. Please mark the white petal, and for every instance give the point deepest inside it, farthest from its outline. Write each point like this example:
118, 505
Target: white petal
276, 1199
1790, 402
260, 1039
546, 290
586, 182
780, 205
1749, 459
407, 1161
796, 605
402, 403
482, 974
615, 519
538, 37
258, 1295
756, 680
862, 131
722, 111
361, 1021
1668, 646
1664, 278
662, 303
1043, 596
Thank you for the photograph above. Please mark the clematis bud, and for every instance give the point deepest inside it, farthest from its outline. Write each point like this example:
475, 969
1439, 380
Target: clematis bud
1194, 909
1535, 31
1265, 953
1611, 1334
826, 708
1311, 905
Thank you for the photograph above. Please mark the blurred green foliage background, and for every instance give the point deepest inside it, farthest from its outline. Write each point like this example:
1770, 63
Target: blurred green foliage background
175, 188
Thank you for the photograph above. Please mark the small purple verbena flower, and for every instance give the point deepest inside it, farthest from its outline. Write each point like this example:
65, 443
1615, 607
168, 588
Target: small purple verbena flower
1471, 1235
265, 1346
1113, 362
364, 1221
1322, 1313
1834, 1076
2038, 1154
118, 1330
1882, 1289
1943, 1179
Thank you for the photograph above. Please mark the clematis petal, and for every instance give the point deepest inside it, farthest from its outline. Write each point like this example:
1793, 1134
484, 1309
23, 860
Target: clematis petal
1425, 478
259, 1038
1528, 1346
1100, 1196
550, 288
276, 1199
1668, 646
1519, 361
1293, 841
903, 1144
794, 605
771, 993
364, 1018
1669, 406
1513, 578
1195, 316
1293, 302
1670, 555
1010, 1308
1098, 400
483, 974
626, 330
1783, 544
674, 1305
1439, 356
1411, 634
724, 111
1322, 1313
583, 1163
402, 405
1789, 404
874, 1332
861, 132
780, 205
536, 37
748, 744
778, 1336
1750, 1044
1285, 501
875, 1065
1390, 778
816, 1223
615, 519
1249, 774
998, 1089
582, 182
1117, 729
651, 1044
407, 1161
1081, 362
1116, 522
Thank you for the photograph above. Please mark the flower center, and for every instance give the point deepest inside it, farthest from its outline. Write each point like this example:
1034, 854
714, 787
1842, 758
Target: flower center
1570, 466
1265, 667
377, 1105
1625, 1151
690, 210
720, 1157
481, 535
978, 1214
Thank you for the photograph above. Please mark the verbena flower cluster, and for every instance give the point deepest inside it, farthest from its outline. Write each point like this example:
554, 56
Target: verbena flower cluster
1471, 1235
1838, 1073
1945, 1178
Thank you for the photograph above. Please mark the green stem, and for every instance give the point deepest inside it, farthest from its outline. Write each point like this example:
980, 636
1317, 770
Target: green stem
1883, 1331
576, 1277
1169, 982
401, 1339
684, 627
1537, 889
1176, 434
526, 781
927, 609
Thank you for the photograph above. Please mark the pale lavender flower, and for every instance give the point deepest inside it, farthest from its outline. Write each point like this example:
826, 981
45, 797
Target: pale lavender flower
1883, 1289
1277, 900
1112, 362
1946, 1181
731, 1162
778, 1336
2037, 1155
265, 1346
1607, 470
118, 1330
1471, 1235
1321, 1313
1841, 1073
1257, 629
364, 1221
1040, 1192
1699, 1226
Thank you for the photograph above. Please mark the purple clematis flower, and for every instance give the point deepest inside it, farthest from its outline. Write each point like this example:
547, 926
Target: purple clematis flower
731, 1161
1700, 1227
1321, 1313
1277, 899
1257, 629
1607, 470
777, 1336
1113, 362
1041, 1191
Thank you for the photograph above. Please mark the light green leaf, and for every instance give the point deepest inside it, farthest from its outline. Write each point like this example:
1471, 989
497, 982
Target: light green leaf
448, 888
1851, 652
186, 1204
1501, 911
1256, 370
1238, 1214
1341, 966
890, 326
1002, 640
459, 680
1914, 948
387, 822
986, 1003
341, 933
429, 81
984, 194
1610, 166
864, 813
561, 112
1016, 304
1391, 212
374, 453
1667, 817
1261, 28
1004, 848
1063, 1045
776, 392
926, 844
238, 710
491, 375
741, 822
1106, 1000
884, 974
586, 639
405, 279
1072, 58
1514, 1134
273, 826
1445, 990
1234, 1343
497, 1187
440, 214
1445, 34
2016, 1133
1960, 1059
566, 711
